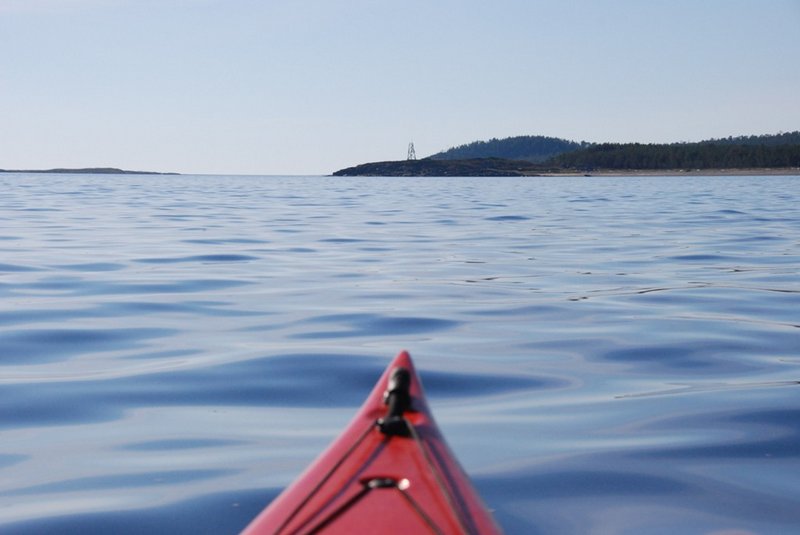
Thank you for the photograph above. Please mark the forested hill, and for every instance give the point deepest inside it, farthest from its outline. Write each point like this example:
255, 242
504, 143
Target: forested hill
782, 150
530, 148
774, 150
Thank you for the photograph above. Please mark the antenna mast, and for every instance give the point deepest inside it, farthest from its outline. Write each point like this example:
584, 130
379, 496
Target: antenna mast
412, 154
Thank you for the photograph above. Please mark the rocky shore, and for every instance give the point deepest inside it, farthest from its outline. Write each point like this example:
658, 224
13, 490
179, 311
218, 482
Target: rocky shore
429, 167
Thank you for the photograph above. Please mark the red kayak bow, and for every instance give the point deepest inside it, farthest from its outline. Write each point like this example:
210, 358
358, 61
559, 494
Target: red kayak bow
390, 471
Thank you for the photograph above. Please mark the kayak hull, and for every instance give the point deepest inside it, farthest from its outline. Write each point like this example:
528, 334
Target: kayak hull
390, 471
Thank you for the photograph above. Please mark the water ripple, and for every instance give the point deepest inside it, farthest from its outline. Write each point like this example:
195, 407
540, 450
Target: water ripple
37, 346
100, 483
16, 268
199, 258
375, 325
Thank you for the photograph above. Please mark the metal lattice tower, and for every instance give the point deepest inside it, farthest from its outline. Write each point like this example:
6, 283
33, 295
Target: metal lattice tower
412, 154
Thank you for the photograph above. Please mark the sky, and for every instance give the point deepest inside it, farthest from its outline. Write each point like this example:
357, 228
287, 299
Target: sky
312, 86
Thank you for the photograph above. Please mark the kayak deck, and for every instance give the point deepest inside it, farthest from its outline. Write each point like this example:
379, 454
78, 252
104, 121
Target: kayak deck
390, 471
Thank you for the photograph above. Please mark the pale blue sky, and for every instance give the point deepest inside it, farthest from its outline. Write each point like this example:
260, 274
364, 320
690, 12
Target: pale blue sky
310, 86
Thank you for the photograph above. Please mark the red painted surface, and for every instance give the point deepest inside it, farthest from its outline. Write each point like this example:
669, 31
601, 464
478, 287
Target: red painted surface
432, 493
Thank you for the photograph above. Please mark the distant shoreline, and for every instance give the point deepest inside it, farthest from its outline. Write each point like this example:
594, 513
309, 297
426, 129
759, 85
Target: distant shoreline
763, 171
85, 171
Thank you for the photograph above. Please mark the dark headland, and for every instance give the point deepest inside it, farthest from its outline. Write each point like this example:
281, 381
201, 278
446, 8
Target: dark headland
430, 167
544, 156
86, 171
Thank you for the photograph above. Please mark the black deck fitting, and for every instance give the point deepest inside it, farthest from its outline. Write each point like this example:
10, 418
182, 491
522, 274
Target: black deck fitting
398, 399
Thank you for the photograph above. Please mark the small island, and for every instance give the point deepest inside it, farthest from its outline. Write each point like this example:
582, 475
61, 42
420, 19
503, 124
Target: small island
86, 171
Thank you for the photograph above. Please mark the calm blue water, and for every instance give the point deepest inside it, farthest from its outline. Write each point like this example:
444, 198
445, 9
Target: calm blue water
604, 355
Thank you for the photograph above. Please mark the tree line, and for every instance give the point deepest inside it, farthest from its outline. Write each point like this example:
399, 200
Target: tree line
767, 151
782, 138
702, 155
